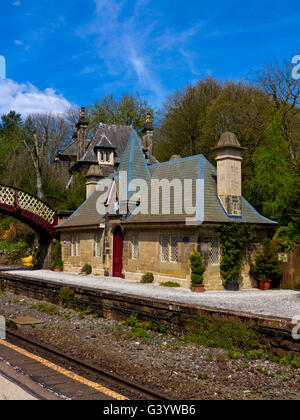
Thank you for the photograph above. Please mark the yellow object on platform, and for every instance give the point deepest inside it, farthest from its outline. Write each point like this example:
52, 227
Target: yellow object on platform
27, 262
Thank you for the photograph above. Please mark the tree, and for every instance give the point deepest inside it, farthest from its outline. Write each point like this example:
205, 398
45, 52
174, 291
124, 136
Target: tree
277, 81
183, 119
126, 110
244, 110
43, 136
274, 183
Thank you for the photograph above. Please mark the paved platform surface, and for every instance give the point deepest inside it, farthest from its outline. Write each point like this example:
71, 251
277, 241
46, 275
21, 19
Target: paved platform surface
278, 303
9, 391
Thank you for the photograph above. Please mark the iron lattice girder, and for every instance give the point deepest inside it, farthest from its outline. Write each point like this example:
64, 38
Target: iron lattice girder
28, 209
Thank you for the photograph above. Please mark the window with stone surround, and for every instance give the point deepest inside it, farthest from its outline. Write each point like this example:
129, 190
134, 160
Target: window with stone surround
97, 246
169, 249
209, 247
75, 246
135, 247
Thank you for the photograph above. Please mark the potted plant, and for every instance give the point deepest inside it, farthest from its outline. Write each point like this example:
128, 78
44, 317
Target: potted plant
57, 264
197, 271
264, 283
266, 269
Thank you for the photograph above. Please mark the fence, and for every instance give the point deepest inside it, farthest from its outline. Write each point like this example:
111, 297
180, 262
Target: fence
291, 270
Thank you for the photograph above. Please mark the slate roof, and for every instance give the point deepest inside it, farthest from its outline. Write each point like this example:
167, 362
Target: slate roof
69, 151
209, 209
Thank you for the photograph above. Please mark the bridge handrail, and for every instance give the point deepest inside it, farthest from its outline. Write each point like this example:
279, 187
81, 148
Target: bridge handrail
19, 190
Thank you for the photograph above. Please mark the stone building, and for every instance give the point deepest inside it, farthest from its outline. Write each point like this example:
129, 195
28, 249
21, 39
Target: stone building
149, 218
98, 158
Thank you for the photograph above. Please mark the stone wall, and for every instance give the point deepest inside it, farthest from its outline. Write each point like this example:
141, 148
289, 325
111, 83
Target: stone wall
110, 305
87, 252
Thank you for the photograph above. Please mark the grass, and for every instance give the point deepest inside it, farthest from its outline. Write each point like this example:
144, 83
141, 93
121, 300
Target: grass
44, 307
224, 334
170, 284
83, 314
142, 329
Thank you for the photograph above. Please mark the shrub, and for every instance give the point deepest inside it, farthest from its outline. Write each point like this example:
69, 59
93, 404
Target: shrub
197, 268
87, 269
170, 284
225, 334
57, 256
234, 239
267, 265
66, 295
147, 278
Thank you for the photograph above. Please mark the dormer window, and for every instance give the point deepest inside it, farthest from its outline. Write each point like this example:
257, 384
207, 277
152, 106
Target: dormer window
105, 151
105, 157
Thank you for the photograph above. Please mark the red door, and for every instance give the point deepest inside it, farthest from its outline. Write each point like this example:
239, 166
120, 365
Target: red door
118, 253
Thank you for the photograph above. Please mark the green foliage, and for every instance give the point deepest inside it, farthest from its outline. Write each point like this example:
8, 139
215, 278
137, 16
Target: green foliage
197, 268
83, 314
287, 236
44, 307
267, 265
148, 278
225, 334
170, 284
87, 269
57, 256
125, 110
66, 295
275, 183
254, 354
234, 239
138, 329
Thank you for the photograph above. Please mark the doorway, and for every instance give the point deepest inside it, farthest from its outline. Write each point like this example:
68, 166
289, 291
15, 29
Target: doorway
118, 253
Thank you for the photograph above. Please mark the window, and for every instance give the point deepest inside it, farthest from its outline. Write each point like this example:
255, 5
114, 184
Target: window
97, 249
135, 247
75, 246
209, 247
165, 249
169, 249
174, 250
102, 156
107, 156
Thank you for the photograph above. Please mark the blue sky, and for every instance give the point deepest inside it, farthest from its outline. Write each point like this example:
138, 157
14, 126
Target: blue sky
72, 51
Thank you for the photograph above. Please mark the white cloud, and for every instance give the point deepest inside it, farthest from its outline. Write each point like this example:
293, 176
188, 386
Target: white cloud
18, 42
135, 43
26, 99
16, 3
123, 45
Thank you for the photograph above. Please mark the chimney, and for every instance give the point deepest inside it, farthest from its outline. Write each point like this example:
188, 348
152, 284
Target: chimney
148, 135
229, 168
81, 134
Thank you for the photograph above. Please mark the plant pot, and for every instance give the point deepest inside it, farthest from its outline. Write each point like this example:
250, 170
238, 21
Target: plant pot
58, 269
198, 288
265, 284
232, 287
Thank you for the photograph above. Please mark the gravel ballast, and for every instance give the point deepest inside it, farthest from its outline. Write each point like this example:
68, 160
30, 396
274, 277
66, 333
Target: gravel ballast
163, 362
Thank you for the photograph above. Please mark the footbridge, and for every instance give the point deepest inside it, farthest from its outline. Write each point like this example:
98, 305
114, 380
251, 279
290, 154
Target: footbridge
31, 211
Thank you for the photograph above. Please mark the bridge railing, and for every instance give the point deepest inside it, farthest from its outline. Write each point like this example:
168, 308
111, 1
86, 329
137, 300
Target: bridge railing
21, 200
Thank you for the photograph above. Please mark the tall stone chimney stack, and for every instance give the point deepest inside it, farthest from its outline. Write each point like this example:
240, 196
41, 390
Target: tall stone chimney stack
148, 135
229, 168
82, 134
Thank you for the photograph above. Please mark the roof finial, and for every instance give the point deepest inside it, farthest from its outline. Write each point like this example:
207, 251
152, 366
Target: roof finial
148, 118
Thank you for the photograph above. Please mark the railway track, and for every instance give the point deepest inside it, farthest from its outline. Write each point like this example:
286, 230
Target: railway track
68, 376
